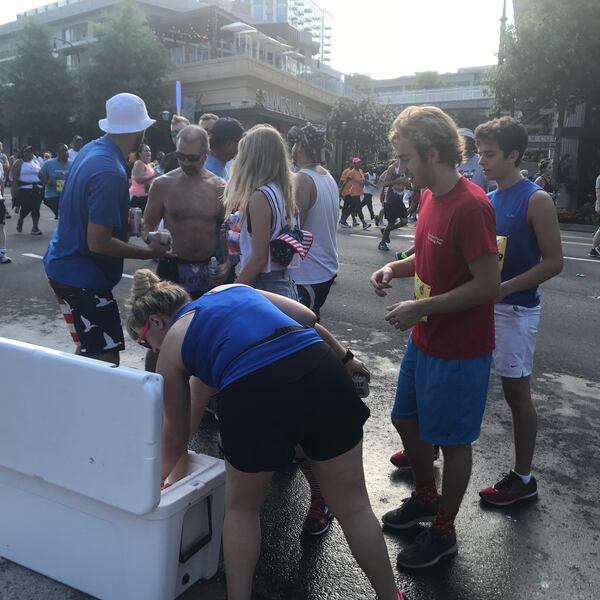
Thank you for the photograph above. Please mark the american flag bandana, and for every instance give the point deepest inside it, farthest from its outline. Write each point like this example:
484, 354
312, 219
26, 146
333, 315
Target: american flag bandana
302, 245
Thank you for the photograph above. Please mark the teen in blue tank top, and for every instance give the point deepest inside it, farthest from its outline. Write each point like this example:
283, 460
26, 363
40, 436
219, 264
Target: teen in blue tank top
279, 386
517, 242
530, 252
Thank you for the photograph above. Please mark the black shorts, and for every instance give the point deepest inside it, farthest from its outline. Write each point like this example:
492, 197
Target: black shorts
139, 202
307, 398
93, 318
314, 295
195, 274
394, 211
2, 211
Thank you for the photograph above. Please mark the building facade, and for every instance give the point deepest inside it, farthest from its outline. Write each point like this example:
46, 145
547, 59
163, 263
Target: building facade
304, 15
228, 62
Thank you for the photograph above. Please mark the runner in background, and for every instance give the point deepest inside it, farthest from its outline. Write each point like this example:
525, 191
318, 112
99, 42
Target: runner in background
369, 190
470, 167
351, 189
53, 175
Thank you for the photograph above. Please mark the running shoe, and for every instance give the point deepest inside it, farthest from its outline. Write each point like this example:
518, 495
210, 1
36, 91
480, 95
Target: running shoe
5, 260
401, 255
400, 459
344, 224
7, 215
36, 231
19, 226
595, 253
383, 246
366, 225
509, 490
427, 550
377, 221
410, 513
319, 517
355, 223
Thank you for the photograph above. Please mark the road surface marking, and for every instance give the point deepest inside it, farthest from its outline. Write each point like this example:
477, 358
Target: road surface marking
125, 275
592, 260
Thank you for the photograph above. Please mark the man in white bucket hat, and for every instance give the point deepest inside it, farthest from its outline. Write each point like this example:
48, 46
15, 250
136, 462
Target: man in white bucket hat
84, 260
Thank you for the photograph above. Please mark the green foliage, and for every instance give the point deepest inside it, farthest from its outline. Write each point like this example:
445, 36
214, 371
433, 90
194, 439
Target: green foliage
552, 57
40, 95
428, 80
126, 58
361, 125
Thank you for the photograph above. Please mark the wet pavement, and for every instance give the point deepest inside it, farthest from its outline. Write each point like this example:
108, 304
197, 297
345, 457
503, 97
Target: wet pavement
544, 549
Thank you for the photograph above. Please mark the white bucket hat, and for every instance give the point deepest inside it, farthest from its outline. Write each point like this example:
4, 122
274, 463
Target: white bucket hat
125, 113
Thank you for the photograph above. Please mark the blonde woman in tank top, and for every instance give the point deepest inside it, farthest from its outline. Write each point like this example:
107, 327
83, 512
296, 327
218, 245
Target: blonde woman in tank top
317, 198
259, 189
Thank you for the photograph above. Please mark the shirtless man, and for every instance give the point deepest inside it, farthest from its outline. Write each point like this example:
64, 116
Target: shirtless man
189, 201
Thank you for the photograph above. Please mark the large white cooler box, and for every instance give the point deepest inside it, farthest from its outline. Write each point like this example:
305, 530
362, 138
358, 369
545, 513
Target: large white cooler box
80, 452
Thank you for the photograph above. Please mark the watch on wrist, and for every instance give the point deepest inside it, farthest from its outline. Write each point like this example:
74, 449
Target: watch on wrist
347, 357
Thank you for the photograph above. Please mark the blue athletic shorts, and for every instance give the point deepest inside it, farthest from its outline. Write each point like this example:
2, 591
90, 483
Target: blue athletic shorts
447, 397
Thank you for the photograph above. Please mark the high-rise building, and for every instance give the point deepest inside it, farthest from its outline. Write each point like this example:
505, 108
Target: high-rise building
304, 15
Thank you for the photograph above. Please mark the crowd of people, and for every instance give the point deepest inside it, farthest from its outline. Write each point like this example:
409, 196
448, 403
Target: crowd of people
232, 313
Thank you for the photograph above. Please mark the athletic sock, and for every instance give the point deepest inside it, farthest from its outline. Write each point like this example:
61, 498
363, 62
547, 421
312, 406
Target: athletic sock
524, 478
444, 523
426, 492
306, 469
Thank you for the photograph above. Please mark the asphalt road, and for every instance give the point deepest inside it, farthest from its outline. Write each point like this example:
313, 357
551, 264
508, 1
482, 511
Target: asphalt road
545, 549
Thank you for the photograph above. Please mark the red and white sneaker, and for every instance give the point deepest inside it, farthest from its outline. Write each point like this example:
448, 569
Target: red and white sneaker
508, 490
319, 517
400, 459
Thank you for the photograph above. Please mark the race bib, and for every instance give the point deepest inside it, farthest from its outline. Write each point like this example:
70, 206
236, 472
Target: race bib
193, 277
60, 184
421, 290
501, 240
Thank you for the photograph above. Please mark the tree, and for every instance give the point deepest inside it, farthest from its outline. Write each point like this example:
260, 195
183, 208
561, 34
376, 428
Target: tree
127, 57
362, 126
428, 80
40, 93
551, 59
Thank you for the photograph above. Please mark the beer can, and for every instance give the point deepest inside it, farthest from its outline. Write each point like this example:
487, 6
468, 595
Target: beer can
361, 384
135, 221
164, 237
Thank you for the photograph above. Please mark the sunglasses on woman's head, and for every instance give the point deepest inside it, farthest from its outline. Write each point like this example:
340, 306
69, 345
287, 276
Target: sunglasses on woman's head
141, 339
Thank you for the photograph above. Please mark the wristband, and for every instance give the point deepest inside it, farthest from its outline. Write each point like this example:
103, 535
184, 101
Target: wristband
347, 357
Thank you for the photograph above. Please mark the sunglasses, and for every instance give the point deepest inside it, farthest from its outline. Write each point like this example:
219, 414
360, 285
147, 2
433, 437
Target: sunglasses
189, 157
141, 339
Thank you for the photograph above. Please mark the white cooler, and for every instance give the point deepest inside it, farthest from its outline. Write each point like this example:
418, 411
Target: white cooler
80, 450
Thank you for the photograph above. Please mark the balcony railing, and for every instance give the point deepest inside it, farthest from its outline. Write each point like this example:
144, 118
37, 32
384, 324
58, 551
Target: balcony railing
433, 95
194, 54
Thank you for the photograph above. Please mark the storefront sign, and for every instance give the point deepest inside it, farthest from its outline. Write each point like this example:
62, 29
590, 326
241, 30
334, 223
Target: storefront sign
280, 104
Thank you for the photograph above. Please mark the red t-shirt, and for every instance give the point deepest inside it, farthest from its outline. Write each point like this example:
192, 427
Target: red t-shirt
453, 230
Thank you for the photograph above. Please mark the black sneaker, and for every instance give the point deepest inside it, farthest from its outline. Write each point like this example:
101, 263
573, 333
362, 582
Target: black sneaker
19, 226
36, 231
427, 550
319, 517
595, 253
411, 513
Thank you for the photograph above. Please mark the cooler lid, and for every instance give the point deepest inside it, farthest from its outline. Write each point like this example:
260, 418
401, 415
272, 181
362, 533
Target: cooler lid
81, 424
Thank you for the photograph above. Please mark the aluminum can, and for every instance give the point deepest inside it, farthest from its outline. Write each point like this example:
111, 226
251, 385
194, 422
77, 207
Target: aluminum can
135, 221
361, 384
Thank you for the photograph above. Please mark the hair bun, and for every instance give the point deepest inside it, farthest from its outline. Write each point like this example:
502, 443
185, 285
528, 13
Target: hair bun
143, 281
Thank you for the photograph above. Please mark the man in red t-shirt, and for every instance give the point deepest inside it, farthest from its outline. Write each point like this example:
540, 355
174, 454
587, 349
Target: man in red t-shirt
443, 380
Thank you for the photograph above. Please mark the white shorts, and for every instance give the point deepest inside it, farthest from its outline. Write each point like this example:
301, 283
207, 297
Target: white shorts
516, 329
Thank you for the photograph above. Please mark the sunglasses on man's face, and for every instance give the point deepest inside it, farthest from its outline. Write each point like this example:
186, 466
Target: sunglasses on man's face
181, 157
141, 339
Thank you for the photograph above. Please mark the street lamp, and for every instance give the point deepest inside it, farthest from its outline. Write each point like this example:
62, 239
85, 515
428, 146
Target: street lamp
56, 51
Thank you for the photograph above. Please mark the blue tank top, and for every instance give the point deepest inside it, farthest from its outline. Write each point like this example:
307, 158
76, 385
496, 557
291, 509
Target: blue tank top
518, 249
220, 345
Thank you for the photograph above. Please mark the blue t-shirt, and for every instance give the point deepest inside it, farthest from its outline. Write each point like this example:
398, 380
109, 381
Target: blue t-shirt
57, 171
518, 249
220, 344
96, 191
216, 166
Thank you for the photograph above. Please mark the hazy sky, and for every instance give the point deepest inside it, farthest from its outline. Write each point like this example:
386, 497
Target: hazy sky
387, 38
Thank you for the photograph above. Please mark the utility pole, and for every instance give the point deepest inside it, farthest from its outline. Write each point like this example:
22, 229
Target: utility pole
502, 45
